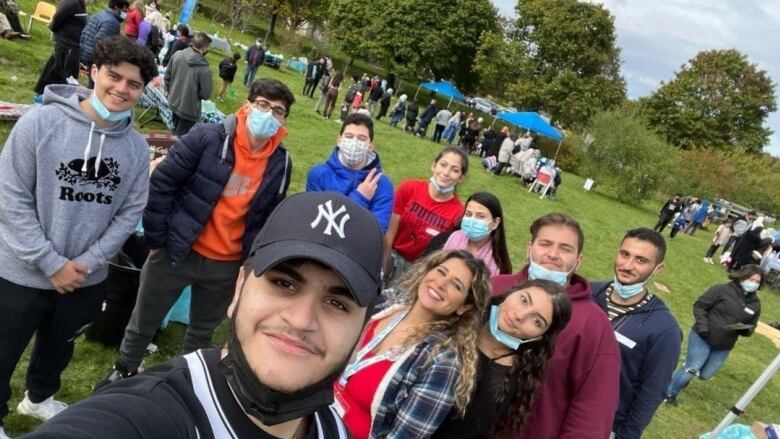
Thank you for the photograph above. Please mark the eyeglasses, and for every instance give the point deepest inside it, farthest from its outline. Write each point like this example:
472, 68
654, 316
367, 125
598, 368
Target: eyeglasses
265, 106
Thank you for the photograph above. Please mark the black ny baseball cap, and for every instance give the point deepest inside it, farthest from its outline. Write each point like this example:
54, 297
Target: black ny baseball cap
329, 228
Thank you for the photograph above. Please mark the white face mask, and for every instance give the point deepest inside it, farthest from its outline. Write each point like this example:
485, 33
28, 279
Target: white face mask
353, 152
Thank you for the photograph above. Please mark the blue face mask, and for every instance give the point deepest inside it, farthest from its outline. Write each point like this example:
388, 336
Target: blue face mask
507, 340
475, 229
627, 291
536, 271
262, 124
104, 113
442, 189
749, 286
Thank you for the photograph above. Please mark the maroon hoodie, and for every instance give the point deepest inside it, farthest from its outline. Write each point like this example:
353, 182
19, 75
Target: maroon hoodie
579, 395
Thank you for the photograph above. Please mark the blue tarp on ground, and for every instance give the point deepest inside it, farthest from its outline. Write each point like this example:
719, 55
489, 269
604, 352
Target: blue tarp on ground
444, 88
531, 121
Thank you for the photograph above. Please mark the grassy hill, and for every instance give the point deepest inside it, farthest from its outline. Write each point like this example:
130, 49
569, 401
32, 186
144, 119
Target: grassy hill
603, 218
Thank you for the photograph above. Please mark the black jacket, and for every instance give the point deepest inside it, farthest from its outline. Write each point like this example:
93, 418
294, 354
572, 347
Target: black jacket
376, 94
724, 305
227, 69
69, 20
428, 114
186, 186
670, 208
412, 110
177, 45
746, 244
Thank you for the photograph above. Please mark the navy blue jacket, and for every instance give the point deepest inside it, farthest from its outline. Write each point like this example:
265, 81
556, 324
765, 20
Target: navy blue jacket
187, 184
647, 368
334, 176
101, 25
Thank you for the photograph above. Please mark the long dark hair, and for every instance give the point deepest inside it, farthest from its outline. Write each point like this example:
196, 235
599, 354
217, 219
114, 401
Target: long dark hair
497, 236
527, 373
746, 272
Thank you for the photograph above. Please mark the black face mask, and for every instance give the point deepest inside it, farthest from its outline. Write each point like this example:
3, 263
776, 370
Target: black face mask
257, 399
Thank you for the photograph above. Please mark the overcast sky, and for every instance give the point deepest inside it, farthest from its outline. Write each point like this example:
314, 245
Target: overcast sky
658, 37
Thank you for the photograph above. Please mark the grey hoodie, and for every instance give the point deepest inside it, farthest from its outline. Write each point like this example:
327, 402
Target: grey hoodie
53, 207
188, 79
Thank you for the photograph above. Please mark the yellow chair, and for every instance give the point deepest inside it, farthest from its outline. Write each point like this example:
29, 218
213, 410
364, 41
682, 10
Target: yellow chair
43, 13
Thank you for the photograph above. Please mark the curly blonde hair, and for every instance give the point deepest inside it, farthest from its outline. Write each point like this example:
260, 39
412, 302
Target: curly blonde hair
461, 331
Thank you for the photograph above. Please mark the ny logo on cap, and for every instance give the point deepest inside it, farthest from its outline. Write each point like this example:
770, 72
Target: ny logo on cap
331, 217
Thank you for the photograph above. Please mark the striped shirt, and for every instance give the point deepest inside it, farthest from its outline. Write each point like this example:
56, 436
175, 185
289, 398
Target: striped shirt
615, 310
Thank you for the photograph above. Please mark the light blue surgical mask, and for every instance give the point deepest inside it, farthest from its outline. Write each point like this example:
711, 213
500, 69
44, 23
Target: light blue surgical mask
123, 16
475, 229
536, 271
442, 189
627, 291
104, 113
749, 286
507, 340
262, 124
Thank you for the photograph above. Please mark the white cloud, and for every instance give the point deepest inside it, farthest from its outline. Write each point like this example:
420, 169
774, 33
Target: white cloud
657, 37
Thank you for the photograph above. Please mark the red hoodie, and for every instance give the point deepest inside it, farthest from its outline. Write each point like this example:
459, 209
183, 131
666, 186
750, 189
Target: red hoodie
579, 396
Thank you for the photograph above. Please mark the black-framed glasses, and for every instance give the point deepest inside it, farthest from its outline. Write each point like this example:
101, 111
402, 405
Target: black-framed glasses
265, 106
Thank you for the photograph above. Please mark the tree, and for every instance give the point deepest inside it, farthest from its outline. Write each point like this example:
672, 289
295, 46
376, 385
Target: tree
348, 27
414, 38
626, 156
497, 64
718, 99
567, 62
297, 13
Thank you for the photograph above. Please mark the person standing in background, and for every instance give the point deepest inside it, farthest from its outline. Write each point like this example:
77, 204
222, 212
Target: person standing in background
134, 17
69, 20
227, 72
255, 57
188, 79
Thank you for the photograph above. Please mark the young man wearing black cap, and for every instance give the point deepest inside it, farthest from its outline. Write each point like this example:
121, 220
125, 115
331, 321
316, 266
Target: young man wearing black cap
310, 280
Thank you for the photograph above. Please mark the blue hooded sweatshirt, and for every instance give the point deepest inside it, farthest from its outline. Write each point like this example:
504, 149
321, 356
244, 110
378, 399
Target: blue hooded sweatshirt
649, 339
335, 176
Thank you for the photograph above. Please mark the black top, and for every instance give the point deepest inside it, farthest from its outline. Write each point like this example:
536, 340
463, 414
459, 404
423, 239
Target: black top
162, 403
68, 21
722, 306
484, 410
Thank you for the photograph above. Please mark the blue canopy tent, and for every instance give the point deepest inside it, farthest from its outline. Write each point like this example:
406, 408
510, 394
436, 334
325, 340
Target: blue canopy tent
444, 88
533, 122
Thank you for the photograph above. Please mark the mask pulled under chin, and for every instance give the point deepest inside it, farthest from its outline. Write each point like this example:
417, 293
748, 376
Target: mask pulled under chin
537, 271
260, 401
442, 189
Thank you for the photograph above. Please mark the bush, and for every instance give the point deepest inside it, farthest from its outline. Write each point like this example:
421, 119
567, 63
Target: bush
737, 175
703, 172
626, 157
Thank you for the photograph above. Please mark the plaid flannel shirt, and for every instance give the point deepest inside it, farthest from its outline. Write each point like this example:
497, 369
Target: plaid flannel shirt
421, 393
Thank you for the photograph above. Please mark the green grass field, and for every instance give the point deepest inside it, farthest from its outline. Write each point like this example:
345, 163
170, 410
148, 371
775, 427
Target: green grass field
604, 220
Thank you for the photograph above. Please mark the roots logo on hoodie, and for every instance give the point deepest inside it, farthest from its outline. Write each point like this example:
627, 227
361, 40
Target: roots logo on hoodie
104, 176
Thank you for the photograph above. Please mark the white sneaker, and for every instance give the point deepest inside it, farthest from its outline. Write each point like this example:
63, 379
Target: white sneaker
44, 410
3, 435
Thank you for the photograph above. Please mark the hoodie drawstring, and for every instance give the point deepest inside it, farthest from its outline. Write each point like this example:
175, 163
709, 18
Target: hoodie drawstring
100, 154
88, 148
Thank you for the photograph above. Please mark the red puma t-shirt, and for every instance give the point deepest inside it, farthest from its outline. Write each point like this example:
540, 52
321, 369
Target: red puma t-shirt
421, 217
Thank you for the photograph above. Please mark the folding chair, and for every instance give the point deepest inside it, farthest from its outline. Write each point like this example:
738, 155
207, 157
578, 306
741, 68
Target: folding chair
544, 180
44, 12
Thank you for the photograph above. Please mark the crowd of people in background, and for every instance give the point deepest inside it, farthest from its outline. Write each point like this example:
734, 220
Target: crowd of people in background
387, 311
